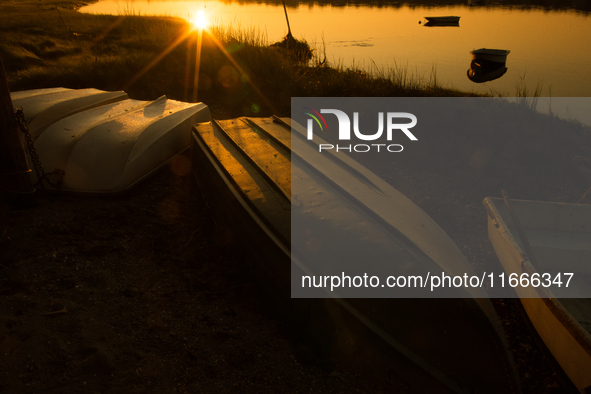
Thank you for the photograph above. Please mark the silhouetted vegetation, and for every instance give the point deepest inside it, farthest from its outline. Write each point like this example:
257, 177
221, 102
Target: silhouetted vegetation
549, 5
240, 73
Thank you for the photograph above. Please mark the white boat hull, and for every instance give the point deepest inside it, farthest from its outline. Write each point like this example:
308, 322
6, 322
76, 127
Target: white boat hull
102, 141
44, 107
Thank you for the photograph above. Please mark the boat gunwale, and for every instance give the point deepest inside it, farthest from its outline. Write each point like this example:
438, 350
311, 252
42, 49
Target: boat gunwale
250, 160
577, 331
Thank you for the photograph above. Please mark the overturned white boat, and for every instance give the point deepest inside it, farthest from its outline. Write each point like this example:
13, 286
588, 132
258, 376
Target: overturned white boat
103, 142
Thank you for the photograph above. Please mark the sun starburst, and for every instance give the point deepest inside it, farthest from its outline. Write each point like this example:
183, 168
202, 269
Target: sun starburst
199, 20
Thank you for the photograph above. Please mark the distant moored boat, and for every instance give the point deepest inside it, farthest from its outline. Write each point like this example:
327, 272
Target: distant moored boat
442, 19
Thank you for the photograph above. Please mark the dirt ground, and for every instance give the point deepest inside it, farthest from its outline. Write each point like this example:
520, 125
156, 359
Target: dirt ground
138, 293
135, 294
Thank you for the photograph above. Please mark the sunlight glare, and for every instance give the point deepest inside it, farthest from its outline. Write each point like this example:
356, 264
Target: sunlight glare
199, 20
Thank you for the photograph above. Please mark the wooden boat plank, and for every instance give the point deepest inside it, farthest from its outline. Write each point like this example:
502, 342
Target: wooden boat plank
273, 162
240, 171
278, 128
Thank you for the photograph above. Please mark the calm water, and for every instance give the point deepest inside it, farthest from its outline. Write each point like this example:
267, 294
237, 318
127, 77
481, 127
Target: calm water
549, 43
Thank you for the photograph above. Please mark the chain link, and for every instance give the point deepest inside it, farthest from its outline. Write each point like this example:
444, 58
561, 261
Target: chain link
39, 171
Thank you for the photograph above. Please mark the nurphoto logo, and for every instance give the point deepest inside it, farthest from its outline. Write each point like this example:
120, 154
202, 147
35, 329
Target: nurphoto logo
344, 132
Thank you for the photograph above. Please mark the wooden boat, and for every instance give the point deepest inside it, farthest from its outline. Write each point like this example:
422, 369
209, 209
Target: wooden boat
492, 55
443, 20
109, 148
43, 107
560, 239
282, 201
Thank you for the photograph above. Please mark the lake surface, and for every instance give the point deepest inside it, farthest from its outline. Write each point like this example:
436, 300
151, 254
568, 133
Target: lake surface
549, 42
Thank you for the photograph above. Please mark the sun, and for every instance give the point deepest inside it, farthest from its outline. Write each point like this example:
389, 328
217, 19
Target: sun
199, 20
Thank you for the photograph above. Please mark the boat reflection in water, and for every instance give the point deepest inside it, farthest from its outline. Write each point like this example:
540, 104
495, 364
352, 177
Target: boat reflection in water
487, 64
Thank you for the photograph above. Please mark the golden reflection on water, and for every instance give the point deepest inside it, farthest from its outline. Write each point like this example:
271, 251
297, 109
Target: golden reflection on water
547, 48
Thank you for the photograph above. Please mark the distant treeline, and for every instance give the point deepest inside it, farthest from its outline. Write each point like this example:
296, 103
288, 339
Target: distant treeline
583, 6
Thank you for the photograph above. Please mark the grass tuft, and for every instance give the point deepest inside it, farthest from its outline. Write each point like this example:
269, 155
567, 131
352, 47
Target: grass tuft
526, 96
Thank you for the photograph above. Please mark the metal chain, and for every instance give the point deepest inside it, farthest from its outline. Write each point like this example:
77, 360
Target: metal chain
39, 171
22, 125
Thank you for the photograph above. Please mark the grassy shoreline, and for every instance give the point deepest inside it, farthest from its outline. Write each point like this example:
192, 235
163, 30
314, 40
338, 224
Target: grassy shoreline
48, 44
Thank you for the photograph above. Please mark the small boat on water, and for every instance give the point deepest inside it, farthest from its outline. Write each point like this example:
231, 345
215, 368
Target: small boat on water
559, 237
103, 142
441, 20
492, 55
282, 201
487, 64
